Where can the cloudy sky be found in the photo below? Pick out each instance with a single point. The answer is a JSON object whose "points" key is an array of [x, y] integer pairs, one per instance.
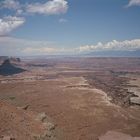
{"points": [[40, 27]]}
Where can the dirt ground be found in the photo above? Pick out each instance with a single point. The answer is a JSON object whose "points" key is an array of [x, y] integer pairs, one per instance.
{"points": [[78, 110]]}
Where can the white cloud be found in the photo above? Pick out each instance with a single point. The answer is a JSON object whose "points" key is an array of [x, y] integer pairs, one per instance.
{"points": [[51, 7], [9, 23], [15, 46], [42, 50], [19, 12], [127, 45], [10, 4], [62, 20], [133, 3]]}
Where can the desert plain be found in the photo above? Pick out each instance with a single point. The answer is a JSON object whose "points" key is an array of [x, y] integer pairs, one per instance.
{"points": [[70, 98]]}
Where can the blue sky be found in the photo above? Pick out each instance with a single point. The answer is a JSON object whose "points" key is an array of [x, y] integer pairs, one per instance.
{"points": [[34, 27]]}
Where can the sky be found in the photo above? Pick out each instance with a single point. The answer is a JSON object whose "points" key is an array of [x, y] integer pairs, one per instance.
{"points": [[42, 27]]}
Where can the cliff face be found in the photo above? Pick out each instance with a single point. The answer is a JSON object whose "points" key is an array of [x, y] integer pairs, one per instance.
{"points": [[9, 69]]}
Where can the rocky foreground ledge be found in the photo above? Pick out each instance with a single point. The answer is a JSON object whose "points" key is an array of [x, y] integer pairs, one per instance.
{"points": [[112, 135], [17, 123]]}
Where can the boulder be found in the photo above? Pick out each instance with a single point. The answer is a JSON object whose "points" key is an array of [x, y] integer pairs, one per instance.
{"points": [[112, 135], [50, 126], [41, 117]]}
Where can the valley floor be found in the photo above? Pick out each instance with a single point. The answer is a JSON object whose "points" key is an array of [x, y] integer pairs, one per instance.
{"points": [[67, 101]]}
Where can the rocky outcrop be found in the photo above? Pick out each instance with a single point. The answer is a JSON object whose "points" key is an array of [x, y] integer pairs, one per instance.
{"points": [[9, 69], [135, 100], [20, 124], [112, 135], [49, 132]]}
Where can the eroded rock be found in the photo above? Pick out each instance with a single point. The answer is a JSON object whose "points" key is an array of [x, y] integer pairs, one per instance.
{"points": [[24, 107], [41, 117], [7, 138], [50, 126], [112, 135], [135, 100]]}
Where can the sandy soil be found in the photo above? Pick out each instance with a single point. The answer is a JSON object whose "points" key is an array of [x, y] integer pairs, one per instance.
{"points": [[78, 110]]}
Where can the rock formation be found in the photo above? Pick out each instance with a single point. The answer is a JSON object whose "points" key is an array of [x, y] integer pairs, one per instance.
{"points": [[9, 69]]}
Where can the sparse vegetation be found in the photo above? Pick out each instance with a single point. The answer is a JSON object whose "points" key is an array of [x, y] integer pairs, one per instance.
{"points": [[12, 98]]}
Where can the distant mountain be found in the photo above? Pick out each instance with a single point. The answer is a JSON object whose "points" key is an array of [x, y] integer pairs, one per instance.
{"points": [[12, 59], [9, 69], [115, 53]]}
